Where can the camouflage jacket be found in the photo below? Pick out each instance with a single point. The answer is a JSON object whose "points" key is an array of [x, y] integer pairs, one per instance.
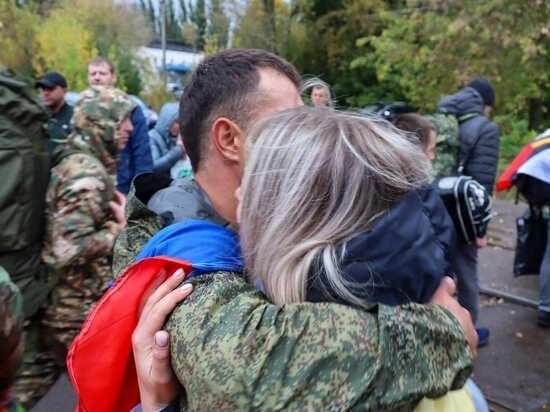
{"points": [[11, 317], [232, 350], [156, 201], [80, 229]]}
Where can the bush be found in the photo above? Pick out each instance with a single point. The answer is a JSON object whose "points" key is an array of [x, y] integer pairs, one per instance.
{"points": [[156, 95], [514, 134]]}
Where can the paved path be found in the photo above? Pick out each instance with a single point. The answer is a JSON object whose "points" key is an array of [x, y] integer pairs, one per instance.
{"points": [[513, 370]]}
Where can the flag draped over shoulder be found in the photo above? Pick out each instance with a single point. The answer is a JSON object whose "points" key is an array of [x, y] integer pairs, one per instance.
{"points": [[100, 361]]}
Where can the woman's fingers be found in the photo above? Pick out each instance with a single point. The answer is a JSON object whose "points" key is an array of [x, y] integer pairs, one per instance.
{"points": [[155, 312], [161, 309], [160, 289]]}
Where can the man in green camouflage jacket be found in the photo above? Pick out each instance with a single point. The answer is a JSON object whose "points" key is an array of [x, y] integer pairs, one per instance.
{"points": [[84, 214], [230, 334], [11, 348]]}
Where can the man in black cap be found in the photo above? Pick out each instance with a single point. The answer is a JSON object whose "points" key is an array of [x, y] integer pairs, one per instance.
{"points": [[53, 88], [479, 146]]}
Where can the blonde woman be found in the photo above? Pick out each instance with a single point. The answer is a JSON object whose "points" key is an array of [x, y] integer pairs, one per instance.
{"points": [[337, 207]]}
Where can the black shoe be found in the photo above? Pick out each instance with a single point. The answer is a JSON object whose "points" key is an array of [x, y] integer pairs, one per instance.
{"points": [[544, 319]]}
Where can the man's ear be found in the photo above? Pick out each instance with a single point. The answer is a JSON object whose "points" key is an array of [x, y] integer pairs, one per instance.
{"points": [[227, 139]]}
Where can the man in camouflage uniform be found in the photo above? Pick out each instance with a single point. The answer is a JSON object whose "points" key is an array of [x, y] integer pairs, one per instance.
{"points": [[243, 333], [81, 228], [11, 347], [83, 219]]}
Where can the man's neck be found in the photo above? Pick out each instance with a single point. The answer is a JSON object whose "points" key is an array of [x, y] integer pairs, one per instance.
{"points": [[56, 109], [221, 191]]}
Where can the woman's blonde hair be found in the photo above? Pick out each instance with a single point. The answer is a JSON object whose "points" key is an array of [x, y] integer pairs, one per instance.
{"points": [[314, 179]]}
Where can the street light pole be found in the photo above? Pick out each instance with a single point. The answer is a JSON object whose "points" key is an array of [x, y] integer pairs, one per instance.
{"points": [[163, 38]]}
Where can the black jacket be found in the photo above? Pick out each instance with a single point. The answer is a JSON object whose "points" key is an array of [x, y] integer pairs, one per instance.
{"points": [[479, 136], [401, 259]]}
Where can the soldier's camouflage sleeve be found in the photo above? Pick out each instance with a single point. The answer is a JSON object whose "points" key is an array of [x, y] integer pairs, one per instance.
{"points": [[232, 350], [141, 225], [81, 227]]}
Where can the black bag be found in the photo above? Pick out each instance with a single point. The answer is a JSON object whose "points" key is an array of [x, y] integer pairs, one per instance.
{"points": [[388, 111], [536, 191], [469, 204], [532, 232]]}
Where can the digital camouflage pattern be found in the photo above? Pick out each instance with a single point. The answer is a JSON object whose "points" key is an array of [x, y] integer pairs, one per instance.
{"points": [[447, 144], [232, 350], [141, 225], [80, 235], [11, 324], [11, 316]]}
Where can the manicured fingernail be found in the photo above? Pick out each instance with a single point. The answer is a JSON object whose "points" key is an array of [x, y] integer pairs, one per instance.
{"points": [[186, 287], [178, 273], [161, 339]]}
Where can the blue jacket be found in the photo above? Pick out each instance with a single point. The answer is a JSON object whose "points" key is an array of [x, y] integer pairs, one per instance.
{"points": [[479, 137], [164, 150], [401, 259], [135, 158]]}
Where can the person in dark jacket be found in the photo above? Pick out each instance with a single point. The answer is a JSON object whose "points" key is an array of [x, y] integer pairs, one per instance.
{"points": [[136, 157], [166, 145], [479, 147], [53, 87]]}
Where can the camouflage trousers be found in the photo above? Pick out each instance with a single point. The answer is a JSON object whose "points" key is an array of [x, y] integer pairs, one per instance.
{"points": [[48, 336], [39, 369]]}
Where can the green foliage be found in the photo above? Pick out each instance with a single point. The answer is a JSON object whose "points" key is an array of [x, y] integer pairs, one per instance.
{"points": [[64, 44], [432, 50], [264, 25], [156, 95], [17, 31], [515, 134], [75, 31]]}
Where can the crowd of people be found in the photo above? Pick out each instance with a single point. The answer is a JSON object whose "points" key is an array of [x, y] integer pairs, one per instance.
{"points": [[317, 259]]}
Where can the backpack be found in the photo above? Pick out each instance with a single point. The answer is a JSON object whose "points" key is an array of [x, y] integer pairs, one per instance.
{"points": [[449, 160], [388, 111], [24, 167], [469, 204]]}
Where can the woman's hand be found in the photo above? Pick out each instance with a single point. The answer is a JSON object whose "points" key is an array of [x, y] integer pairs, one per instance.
{"points": [[158, 385], [443, 297]]}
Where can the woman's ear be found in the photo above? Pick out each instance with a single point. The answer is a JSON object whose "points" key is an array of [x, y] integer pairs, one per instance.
{"points": [[228, 139]]}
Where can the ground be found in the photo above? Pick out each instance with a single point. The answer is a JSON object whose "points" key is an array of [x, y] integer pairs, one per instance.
{"points": [[513, 370]]}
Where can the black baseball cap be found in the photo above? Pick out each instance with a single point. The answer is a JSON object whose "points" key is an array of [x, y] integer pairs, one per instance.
{"points": [[51, 80]]}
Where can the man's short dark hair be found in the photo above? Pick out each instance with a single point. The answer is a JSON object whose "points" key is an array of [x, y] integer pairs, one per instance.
{"points": [[100, 61], [223, 85]]}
